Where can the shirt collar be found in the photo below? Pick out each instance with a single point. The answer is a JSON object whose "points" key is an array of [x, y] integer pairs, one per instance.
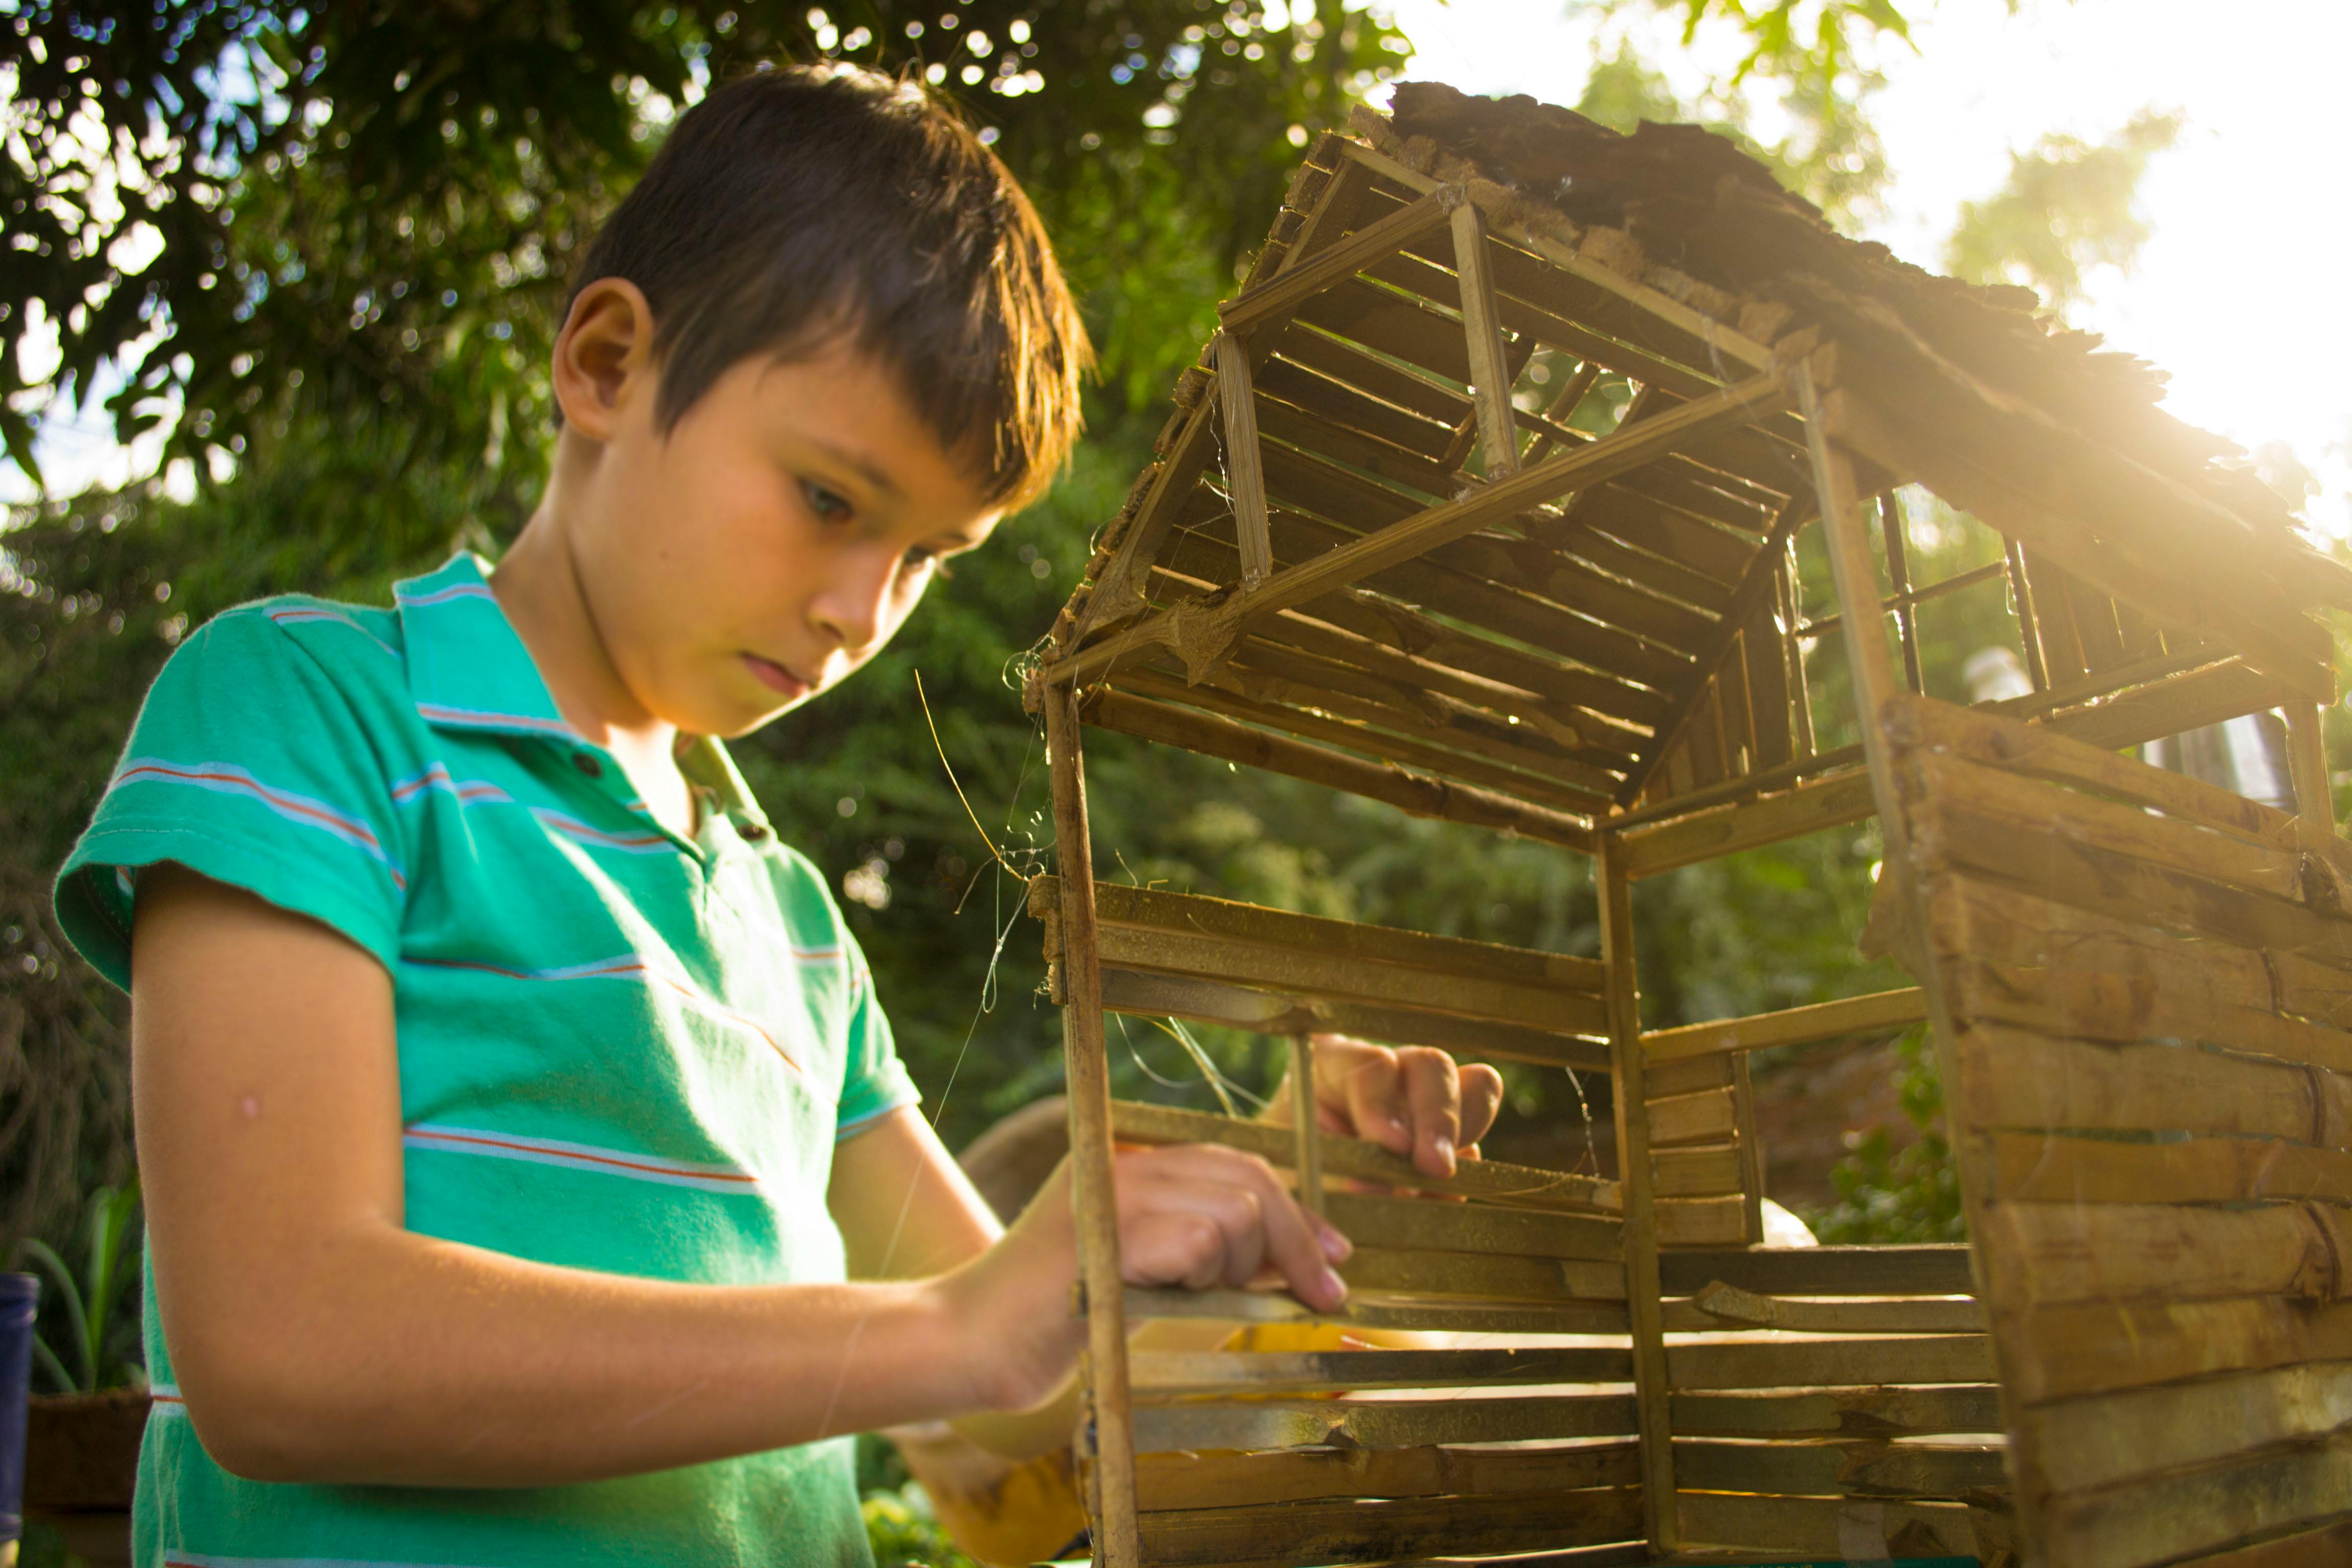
{"points": [[468, 668]]}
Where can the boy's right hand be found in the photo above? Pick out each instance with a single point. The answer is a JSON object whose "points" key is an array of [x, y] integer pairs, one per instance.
{"points": [[1195, 1216]]}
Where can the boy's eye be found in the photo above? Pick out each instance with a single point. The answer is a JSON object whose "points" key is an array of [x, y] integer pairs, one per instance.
{"points": [[828, 505]]}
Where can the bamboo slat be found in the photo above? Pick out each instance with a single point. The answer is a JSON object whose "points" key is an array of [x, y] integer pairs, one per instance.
{"points": [[1695, 1171], [1851, 1531], [1268, 1013], [1490, 379], [2061, 1349], [1380, 1422], [1707, 1221], [2162, 1520], [1838, 1469], [1542, 977], [2017, 1079], [1830, 1363], [1832, 802], [1794, 1026], [1388, 1530], [1245, 468], [1917, 1270], [1087, 1069], [1722, 1307], [1157, 1376], [1489, 1179], [1838, 1413], [1644, 1307], [2041, 1167], [1251, 312], [1503, 1279], [1444, 1316], [1187, 1480], [1414, 793], [1687, 1075], [2082, 1445], [1371, 1219], [2329, 1543], [2155, 1252], [1704, 1118]]}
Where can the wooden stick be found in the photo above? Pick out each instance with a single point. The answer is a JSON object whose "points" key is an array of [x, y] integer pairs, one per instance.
{"points": [[1088, 1070], [2306, 759], [1162, 1375], [1751, 1151], [1199, 1481], [1414, 793], [1898, 578], [1873, 686], [1277, 298], [1902, 602], [1379, 1423], [1879, 1011], [1309, 1135], [1641, 1289], [1490, 383], [1244, 467], [2029, 625]]}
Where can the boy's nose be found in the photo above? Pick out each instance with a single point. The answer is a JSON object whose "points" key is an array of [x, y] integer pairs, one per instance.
{"points": [[856, 605]]}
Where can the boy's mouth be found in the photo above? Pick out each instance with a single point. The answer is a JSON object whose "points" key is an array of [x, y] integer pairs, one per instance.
{"points": [[777, 678]]}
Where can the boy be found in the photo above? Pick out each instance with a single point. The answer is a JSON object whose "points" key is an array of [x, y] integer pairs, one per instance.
{"points": [[530, 1177]]}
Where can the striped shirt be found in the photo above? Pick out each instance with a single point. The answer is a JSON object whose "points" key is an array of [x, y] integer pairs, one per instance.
{"points": [[620, 1048]]}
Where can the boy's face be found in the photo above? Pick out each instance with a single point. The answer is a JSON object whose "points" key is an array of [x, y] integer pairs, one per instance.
{"points": [[771, 542]]}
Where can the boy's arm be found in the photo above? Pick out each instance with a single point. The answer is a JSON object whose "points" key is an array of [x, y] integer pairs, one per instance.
{"points": [[316, 1340]]}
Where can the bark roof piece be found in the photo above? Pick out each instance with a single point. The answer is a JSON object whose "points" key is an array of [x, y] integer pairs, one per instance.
{"points": [[1695, 203]]}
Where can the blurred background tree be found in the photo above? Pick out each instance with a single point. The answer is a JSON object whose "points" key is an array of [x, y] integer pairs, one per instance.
{"points": [[308, 257]]}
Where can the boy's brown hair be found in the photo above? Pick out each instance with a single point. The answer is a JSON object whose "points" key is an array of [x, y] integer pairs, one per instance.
{"points": [[798, 202]]}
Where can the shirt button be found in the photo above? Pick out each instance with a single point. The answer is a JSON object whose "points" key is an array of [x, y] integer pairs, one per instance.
{"points": [[753, 831], [588, 764]]}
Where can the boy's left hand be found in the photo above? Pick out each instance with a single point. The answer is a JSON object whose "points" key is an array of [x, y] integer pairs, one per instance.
{"points": [[1412, 1100]]}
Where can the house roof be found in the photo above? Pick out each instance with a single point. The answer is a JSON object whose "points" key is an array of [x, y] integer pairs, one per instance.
{"points": [[1568, 653]]}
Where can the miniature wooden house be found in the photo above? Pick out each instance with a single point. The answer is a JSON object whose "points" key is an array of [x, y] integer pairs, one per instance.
{"points": [[1390, 546]]}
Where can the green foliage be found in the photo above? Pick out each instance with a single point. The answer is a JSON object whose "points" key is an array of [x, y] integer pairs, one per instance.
{"points": [[905, 1533], [2067, 206], [1885, 1195], [102, 1338]]}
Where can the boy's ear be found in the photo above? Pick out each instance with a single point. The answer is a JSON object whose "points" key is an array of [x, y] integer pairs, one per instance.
{"points": [[604, 356]]}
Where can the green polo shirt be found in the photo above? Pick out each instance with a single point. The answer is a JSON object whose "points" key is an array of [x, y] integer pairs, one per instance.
{"points": [[620, 1049]]}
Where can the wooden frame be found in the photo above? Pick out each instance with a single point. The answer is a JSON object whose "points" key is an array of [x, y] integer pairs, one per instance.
{"points": [[2139, 985]]}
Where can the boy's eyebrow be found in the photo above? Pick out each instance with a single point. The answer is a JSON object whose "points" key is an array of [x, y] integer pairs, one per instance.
{"points": [[864, 467]]}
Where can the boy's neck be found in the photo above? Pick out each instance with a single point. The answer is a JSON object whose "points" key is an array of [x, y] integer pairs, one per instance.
{"points": [[539, 588]]}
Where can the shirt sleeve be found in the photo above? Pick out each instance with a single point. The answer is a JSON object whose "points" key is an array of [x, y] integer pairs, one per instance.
{"points": [[249, 764], [874, 1082]]}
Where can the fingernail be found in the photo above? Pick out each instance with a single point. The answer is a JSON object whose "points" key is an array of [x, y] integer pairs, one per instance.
{"points": [[1444, 1148], [1336, 1247], [1335, 1290]]}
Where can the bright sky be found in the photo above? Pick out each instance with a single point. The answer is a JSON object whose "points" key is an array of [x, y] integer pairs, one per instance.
{"points": [[2242, 293]]}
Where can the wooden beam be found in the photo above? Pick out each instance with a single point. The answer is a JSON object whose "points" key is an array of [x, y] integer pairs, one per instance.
{"points": [[1490, 378], [1248, 314], [1388, 1529], [1838, 1413], [1306, 1137], [1643, 1306], [2306, 758], [1245, 467], [1087, 1067], [1380, 1422], [1202, 634], [1416, 795], [1831, 1363], [1721, 1306], [1791, 1026], [1504, 1475], [1899, 580]]}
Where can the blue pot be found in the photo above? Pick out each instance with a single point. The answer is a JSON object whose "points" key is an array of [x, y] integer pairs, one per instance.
{"points": [[19, 1294]]}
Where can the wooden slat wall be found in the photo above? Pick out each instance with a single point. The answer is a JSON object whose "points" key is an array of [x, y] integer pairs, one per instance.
{"points": [[2151, 982]]}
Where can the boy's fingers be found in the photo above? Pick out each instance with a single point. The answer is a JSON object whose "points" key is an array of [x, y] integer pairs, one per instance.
{"points": [[1374, 1096], [1293, 1243], [1482, 1098], [1432, 1087], [1171, 1247]]}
